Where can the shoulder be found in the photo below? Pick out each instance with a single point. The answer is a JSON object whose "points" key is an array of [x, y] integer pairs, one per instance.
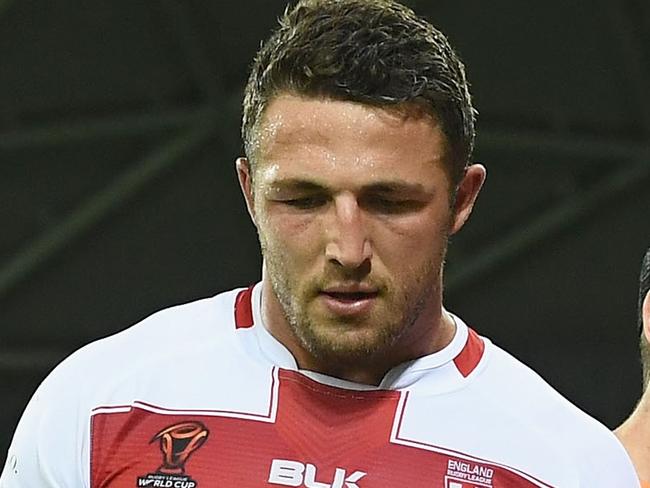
{"points": [[192, 321], [585, 442], [177, 328], [177, 334], [53, 430]]}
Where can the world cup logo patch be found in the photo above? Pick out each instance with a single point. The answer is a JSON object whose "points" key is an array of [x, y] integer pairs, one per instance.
{"points": [[177, 443]]}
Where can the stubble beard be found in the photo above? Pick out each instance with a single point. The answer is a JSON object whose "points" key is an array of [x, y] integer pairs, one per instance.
{"points": [[348, 341]]}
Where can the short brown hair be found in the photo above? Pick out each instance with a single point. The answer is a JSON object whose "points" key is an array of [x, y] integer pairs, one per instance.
{"points": [[376, 52]]}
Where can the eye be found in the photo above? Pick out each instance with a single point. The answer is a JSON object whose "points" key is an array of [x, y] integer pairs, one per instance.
{"points": [[390, 205], [306, 202]]}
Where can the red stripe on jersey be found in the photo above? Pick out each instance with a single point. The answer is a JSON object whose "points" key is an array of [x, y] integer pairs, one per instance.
{"points": [[244, 308], [471, 354]]}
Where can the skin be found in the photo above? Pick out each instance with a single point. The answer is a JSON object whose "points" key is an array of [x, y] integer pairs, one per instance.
{"points": [[635, 431], [353, 209]]}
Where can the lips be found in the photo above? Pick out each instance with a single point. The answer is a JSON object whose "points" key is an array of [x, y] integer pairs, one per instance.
{"points": [[348, 301], [350, 296]]}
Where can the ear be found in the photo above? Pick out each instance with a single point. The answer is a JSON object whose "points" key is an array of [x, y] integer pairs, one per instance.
{"points": [[466, 194], [244, 174], [645, 315]]}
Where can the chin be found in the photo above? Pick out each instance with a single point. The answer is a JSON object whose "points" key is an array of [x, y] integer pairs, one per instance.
{"points": [[348, 343]]}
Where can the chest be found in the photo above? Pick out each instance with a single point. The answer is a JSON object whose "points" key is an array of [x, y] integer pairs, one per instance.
{"points": [[292, 431]]}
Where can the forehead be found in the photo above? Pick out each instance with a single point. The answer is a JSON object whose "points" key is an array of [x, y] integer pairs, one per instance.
{"points": [[320, 134]]}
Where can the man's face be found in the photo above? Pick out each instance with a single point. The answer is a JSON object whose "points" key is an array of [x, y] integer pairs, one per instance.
{"points": [[353, 208]]}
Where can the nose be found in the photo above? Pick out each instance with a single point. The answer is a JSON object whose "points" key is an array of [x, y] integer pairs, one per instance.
{"points": [[348, 243]]}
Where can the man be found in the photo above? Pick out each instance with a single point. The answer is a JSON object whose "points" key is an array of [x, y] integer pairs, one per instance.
{"points": [[634, 433], [341, 369]]}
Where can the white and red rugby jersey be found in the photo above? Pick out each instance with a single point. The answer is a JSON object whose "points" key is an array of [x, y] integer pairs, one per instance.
{"points": [[201, 395]]}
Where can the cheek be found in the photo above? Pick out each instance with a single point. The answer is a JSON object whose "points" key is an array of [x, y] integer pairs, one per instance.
{"points": [[414, 241], [295, 237]]}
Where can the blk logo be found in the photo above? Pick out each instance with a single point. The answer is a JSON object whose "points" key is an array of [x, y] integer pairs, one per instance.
{"points": [[294, 473]]}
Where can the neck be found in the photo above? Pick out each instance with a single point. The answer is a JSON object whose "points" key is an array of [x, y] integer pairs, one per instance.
{"points": [[634, 434], [433, 330], [372, 369]]}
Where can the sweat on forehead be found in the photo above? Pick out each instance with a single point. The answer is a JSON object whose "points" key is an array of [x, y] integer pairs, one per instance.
{"points": [[302, 118]]}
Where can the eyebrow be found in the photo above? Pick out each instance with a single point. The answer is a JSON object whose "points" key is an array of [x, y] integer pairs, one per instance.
{"points": [[297, 184], [395, 187], [385, 186]]}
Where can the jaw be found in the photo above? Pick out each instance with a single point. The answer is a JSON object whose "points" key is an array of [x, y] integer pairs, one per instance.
{"points": [[359, 347]]}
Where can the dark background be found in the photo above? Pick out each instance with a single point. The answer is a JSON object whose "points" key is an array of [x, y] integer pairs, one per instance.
{"points": [[119, 128]]}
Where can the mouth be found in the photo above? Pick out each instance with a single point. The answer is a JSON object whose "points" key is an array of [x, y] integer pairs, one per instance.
{"points": [[349, 302], [351, 296]]}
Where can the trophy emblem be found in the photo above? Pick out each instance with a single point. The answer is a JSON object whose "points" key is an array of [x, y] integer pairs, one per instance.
{"points": [[177, 443]]}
